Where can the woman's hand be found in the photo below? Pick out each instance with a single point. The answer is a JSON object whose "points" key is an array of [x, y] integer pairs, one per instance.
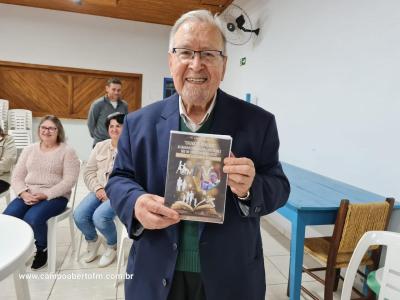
{"points": [[40, 196], [28, 198], [101, 195]]}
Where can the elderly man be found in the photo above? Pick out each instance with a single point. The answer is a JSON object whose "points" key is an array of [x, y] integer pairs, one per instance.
{"points": [[173, 259]]}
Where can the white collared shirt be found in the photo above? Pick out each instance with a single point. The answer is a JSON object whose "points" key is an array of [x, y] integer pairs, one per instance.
{"points": [[189, 122]]}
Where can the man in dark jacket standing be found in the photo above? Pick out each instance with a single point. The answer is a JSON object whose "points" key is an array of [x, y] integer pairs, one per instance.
{"points": [[182, 260]]}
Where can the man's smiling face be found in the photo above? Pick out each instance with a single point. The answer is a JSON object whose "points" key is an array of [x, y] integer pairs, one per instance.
{"points": [[197, 81]]}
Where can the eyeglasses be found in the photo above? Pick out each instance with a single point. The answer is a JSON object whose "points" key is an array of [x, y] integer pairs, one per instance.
{"points": [[50, 129], [206, 56]]}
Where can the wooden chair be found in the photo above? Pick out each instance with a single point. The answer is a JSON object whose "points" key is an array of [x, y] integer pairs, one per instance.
{"points": [[352, 221]]}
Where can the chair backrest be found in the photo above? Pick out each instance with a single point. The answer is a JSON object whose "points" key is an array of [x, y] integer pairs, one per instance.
{"points": [[390, 286], [3, 124], [361, 218], [4, 114], [19, 119], [73, 191], [22, 138], [353, 220]]}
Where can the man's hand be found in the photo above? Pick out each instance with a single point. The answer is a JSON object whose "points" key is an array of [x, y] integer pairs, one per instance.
{"points": [[28, 198], [241, 174], [101, 195], [152, 214]]}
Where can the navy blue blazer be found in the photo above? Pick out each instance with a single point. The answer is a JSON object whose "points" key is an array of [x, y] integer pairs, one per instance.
{"points": [[231, 255]]}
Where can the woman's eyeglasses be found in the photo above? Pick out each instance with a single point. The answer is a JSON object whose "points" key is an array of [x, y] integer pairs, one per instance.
{"points": [[49, 129]]}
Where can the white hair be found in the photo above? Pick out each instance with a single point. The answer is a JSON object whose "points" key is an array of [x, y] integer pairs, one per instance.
{"points": [[203, 16]]}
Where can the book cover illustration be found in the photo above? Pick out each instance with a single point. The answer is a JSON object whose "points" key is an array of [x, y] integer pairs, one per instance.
{"points": [[195, 185]]}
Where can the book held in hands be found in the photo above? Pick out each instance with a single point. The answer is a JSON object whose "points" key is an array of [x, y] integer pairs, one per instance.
{"points": [[196, 185]]}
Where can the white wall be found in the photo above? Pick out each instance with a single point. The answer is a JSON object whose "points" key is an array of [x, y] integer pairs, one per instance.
{"points": [[329, 71], [40, 36]]}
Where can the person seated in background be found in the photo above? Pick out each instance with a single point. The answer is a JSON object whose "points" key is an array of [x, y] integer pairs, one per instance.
{"points": [[8, 157], [95, 212], [43, 178]]}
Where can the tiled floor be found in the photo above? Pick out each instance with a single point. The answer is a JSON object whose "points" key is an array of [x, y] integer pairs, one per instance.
{"points": [[276, 254]]}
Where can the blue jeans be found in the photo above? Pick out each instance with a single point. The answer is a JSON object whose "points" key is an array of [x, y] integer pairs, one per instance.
{"points": [[37, 215], [90, 214]]}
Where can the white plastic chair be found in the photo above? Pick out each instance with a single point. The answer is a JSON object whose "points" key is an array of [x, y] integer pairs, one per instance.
{"points": [[52, 230], [4, 114], [390, 286], [78, 250], [9, 194], [19, 119], [6, 196], [124, 237], [22, 138]]}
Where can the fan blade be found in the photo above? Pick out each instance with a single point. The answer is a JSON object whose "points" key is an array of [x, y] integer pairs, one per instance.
{"points": [[245, 29], [240, 21], [256, 31]]}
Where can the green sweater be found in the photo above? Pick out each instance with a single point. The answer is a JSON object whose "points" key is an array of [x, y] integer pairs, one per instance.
{"points": [[189, 257]]}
